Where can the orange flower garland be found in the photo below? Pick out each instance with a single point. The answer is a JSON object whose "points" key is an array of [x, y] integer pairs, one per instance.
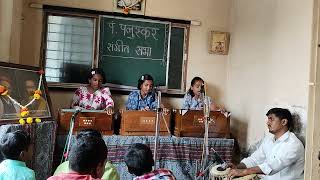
{"points": [[3, 90], [24, 112]]}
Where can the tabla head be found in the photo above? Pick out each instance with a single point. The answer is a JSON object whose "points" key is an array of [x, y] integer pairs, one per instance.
{"points": [[218, 172]]}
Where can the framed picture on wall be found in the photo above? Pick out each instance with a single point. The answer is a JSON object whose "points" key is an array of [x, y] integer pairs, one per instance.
{"points": [[129, 6], [19, 84], [219, 42]]}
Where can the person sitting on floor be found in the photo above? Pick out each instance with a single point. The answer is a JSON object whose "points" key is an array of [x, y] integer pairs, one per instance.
{"points": [[14, 146], [87, 158], [110, 172], [139, 161], [280, 155]]}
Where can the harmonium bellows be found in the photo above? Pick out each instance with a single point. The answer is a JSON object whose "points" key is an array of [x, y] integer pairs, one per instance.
{"points": [[190, 123], [142, 123], [86, 119]]}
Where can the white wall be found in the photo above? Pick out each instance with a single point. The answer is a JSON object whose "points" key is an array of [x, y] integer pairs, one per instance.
{"points": [[268, 62], [5, 29]]}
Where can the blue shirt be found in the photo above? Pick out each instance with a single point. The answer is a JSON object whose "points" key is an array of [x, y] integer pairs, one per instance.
{"points": [[191, 103], [136, 102], [17, 170]]}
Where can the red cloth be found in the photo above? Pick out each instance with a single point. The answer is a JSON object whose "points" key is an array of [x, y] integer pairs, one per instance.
{"points": [[72, 176], [157, 174]]}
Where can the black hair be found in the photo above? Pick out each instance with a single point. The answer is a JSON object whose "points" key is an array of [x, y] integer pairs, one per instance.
{"points": [[13, 143], [144, 78], [86, 154], [97, 71], [282, 113], [89, 132], [139, 159], [193, 81]]}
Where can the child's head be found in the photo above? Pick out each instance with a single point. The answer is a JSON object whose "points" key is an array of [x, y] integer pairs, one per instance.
{"points": [[13, 144], [88, 155], [139, 159], [88, 132], [145, 83], [195, 87], [96, 78]]}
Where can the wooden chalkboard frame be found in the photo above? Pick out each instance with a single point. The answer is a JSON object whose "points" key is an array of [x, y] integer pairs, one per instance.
{"points": [[122, 87], [74, 12]]}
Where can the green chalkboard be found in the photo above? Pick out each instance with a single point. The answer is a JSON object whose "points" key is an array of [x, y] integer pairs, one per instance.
{"points": [[132, 47]]}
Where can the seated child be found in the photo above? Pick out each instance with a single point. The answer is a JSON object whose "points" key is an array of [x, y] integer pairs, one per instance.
{"points": [[94, 96], [87, 158], [139, 161], [142, 99], [14, 146], [192, 99], [110, 172]]}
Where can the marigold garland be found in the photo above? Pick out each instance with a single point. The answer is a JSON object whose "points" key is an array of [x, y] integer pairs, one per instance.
{"points": [[24, 112]]}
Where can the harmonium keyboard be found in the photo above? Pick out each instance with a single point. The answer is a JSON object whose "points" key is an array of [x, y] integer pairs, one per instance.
{"points": [[190, 123], [142, 123], [85, 119]]}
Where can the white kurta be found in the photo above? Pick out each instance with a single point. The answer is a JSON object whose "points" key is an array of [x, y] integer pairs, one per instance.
{"points": [[282, 159]]}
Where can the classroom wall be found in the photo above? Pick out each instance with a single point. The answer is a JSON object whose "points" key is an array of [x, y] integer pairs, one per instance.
{"points": [[268, 63], [11, 20], [213, 15], [6, 7]]}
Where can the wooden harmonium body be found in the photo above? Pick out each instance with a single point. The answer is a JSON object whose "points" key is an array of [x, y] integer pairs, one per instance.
{"points": [[143, 123], [85, 119], [190, 123]]}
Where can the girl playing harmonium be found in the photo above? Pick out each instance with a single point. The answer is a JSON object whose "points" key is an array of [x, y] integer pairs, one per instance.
{"points": [[94, 96], [193, 100], [144, 98]]}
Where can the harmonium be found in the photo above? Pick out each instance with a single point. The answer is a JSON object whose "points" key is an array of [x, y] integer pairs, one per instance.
{"points": [[143, 123], [85, 119], [190, 123]]}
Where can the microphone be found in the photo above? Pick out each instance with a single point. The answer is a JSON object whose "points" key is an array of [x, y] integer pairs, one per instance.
{"points": [[202, 89], [154, 90], [78, 110]]}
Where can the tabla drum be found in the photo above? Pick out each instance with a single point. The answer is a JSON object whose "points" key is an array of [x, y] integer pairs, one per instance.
{"points": [[218, 172]]}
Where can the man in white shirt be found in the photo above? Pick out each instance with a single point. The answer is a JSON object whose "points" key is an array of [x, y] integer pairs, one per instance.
{"points": [[281, 154]]}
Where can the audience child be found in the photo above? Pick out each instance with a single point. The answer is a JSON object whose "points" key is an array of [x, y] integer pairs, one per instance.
{"points": [[139, 161], [14, 147], [110, 172], [87, 159]]}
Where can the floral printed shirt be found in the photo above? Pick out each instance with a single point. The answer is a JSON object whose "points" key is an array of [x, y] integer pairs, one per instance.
{"points": [[99, 100]]}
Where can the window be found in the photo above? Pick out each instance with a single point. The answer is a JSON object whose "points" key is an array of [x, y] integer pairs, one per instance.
{"points": [[70, 49]]}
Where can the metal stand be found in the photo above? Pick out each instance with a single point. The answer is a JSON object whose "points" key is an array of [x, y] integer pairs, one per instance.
{"points": [[205, 152], [159, 115], [68, 142]]}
